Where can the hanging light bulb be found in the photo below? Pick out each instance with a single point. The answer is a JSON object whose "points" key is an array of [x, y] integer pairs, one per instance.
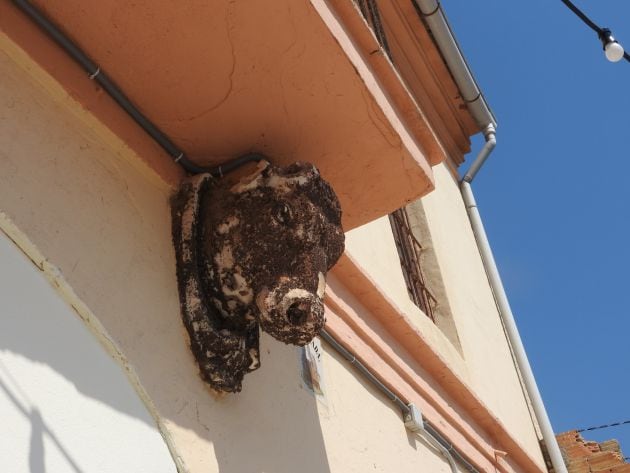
{"points": [[613, 50]]}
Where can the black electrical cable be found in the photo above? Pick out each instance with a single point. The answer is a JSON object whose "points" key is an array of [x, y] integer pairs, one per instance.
{"points": [[223, 169], [361, 367], [399, 402], [601, 32], [582, 16], [605, 426], [95, 73], [467, 465]]}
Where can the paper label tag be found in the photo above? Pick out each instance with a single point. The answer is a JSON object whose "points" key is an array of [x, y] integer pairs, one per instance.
{"points": [[312, 368]]}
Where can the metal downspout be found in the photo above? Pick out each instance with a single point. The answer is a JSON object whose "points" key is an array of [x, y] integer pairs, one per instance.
{"points": [[431, 12], [503, 304]]}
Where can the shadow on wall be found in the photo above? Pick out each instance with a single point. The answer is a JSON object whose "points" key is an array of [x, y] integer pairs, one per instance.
{"points": [[37, 324], [38, 429], [108, 230], [273, 425]]}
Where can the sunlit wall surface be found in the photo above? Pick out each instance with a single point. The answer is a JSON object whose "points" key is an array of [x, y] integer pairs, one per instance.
{"points": [[65, 405]]}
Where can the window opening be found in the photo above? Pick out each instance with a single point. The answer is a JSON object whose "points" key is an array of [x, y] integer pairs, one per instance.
{"points": [[409, 251]]}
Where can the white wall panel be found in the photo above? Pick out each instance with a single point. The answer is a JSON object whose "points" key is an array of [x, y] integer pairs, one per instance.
{"points": [[65, 405]]}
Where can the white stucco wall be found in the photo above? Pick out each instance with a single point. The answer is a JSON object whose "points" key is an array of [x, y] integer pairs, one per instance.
{"points": [[102, 222], [65, 405], [484, 343], [484, 360], [373, 247]]}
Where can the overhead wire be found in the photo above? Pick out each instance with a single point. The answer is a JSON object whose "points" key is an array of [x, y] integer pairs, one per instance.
{"points": [[582, 16], [369, 8], [590, 23], [605, 426]]}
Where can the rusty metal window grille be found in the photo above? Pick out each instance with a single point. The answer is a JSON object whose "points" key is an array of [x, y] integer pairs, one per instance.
{"points": [[409, 250], [369, 10]]}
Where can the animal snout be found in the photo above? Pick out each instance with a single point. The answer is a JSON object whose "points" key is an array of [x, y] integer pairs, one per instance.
{"points": [[298, 312], [301, 309], [291, 314]]}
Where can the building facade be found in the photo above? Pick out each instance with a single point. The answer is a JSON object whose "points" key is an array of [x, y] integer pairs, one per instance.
{"points": [[96, 373]]}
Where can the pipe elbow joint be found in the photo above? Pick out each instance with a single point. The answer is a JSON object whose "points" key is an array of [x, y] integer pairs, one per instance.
{"points": [[490, 134]]}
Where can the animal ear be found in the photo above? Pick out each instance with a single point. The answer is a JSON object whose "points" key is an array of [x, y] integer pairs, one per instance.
{"points": [[324, 198], [334, 245], [253, 180], [306, 171], [298, 167]]}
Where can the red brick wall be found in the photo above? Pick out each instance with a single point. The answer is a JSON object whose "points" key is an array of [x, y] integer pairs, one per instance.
{"points": [[583, 456]]}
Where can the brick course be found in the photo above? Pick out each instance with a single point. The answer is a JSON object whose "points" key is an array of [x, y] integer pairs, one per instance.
{"points": [[584, 456]]}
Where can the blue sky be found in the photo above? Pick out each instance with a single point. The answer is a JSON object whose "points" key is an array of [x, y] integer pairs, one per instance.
{"points": [[555, 195]]}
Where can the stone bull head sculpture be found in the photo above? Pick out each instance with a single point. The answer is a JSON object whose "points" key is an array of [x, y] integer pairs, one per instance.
{"points": [[253, 254]]}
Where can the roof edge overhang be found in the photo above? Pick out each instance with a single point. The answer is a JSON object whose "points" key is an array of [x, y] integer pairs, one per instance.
{"points": [[393, 149], [426, 75], [389, 79]]}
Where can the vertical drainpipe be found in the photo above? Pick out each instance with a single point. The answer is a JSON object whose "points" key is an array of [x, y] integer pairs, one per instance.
{"points": [[503, 304], [434, 17]]}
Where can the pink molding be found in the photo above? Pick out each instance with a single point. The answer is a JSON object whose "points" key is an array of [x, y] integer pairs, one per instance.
{"points": [[386, 341]]}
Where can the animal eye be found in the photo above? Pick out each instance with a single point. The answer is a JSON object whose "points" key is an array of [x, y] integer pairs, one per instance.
{"points": [[282, 213]]}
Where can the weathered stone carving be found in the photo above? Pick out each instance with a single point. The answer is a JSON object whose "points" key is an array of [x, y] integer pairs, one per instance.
{"points": [[253, 254]]}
